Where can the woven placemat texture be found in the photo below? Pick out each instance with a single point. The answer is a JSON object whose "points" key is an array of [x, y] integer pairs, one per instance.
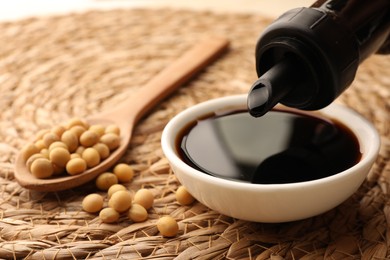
{"points": [[56, 68]]}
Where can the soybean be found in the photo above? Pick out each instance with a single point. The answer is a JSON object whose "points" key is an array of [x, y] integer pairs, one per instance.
{"points": [[124, 172], [92, 203], [105, 180], [59, 156], [144, 197], [80, 150], [91, 157], [108, 215], [41, 133], [58, 144], [45, 152], [183, 197], [89, 138], [77, 130], [102, 149], [120, 201], [98, 129], [112, 129], [50, 138], [111, 140], [77, 121], [32, 158], [114, 188], [167, 226], [75, 155], [29, 150], [40, 144], [71, 140], [137, 213], [42, 168], [58, 130], [76, 166]]}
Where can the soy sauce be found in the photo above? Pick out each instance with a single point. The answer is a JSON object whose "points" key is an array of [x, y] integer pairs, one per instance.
{"points": [[280, 147]]}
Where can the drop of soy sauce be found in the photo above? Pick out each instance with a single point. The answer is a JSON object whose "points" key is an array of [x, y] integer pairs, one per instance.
{"points": [[280, 147]]}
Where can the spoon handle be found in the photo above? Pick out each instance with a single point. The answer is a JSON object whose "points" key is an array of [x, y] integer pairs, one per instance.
{"points": [[170, 78]]}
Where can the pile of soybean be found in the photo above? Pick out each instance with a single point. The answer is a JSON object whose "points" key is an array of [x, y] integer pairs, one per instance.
{"points": [[77, 146], [121, 201], [71, 148]]}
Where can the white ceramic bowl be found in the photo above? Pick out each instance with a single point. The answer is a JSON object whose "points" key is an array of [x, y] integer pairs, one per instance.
{"points": [[271, 202]]}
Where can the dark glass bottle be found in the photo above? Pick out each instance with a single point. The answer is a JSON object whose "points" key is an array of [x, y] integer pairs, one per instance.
{"points": [[309, 56]]}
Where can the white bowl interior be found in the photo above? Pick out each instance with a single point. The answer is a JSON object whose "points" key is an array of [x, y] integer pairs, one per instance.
{"points": [[271, 202]]}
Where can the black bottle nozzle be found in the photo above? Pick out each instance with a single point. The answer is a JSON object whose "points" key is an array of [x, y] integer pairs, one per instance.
{"points": [[308, 56], [272, 86]]}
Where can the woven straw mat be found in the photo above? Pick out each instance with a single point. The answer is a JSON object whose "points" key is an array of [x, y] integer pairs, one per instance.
{"points": [[56, 68]]}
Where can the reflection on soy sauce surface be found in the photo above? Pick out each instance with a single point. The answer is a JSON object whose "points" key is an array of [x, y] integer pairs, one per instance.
{"points": [[280, 147]]}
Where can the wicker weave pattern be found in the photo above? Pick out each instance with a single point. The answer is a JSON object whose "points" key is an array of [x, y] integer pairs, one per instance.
{"points": [[55, 68]]}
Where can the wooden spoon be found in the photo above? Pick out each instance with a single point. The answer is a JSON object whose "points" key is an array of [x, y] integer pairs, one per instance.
{"points": [[128, 113]]}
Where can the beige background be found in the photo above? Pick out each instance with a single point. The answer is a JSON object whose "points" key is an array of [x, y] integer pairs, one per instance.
{"points": [[16, 9]]}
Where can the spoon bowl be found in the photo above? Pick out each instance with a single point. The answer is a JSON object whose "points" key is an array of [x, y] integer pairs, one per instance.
{"points": [[127, 114]]}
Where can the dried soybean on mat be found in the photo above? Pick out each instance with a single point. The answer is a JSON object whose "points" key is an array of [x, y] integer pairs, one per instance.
{"points": [[55, 68]]}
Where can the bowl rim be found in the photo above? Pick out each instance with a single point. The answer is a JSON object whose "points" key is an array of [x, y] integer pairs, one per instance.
{"points": [[175, 125]]}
